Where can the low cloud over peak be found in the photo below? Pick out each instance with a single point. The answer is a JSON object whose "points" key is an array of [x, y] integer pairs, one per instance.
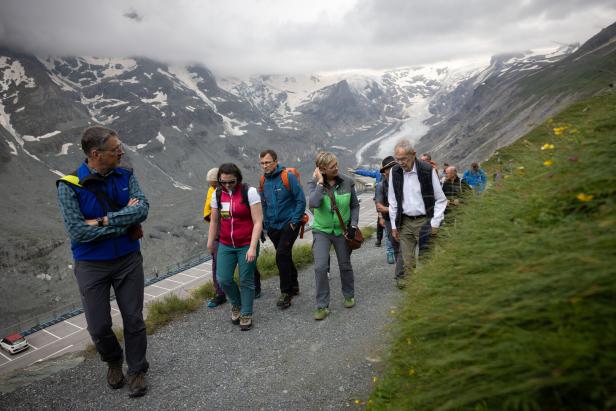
{"points": [[282, 36]]}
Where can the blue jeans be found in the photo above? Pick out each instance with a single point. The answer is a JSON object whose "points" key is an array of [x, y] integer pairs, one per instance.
{"points": [[227, 259]]}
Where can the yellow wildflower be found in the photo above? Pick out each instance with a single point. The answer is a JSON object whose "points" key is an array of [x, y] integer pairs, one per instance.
{"points": [[584, 198], [408, 340], [411, 372], [547, 146], [559, 130], [357, 402], [392, 312], [375, 379], [548, 163]]}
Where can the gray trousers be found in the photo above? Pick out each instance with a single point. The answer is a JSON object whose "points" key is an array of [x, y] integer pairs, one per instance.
{"points": [[399, 271], [409, 238], [125, 275], [320, 249]]}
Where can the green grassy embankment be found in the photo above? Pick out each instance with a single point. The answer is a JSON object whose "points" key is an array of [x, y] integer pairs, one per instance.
{"points": [[516, 307]]}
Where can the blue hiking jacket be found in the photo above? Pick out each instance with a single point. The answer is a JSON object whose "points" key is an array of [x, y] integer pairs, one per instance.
{"points": [[281, 206], [369, 173], [476, 180]]}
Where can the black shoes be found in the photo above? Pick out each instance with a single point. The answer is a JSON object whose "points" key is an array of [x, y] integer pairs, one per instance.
{"points": [[378, 243], [136, 385], [115, 376], [295, 291], [284, 301]]}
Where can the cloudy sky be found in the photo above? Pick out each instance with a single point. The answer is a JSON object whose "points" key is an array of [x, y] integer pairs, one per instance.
{"points": [[238, 37]]}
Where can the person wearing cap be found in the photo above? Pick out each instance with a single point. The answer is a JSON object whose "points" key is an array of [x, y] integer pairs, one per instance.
{"points": [[415, 197], [476, 178], [382, 206]]}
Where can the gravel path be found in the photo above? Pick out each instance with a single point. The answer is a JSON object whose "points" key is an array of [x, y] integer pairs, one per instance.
{"points": [[287, 361]]}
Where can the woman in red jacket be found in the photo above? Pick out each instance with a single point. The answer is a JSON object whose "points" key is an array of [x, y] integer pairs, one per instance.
{"points": [[237, 208]]}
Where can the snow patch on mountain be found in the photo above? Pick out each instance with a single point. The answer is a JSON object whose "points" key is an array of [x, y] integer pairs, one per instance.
{"points": [[39, 138], [13, 74], [64, 149], [191, 81], [159, 100]]}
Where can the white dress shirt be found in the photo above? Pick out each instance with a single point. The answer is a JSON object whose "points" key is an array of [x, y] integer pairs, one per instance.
{"points": [[412, 201]]}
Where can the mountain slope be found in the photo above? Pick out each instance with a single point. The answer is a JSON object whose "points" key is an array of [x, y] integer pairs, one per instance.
{"points": [[506, 103]]}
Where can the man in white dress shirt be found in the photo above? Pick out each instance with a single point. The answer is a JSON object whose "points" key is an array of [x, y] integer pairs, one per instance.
{"points": [[415, 197]]}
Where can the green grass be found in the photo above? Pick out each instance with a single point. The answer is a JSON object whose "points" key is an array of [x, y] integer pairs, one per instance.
{"points": [[516, 307], [302, 256], [368, 231]]}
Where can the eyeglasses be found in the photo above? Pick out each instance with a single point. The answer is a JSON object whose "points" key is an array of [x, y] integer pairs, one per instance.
{"points": [[227, 183], [266, 163], [117, 149], [402, 159]]}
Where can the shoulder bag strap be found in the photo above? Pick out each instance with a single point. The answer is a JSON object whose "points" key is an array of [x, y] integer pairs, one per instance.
{"points": [[330, 193]]}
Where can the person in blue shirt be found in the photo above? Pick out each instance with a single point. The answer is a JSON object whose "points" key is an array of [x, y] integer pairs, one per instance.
{"points": [[476, 178], [102, 207], [284, 204]]}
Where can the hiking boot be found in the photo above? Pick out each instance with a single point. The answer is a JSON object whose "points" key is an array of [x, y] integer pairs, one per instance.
{"points": [[216, 301], [321, 313], [391, 258], [245, 322], [377, 243], [284, 301], [235, 315], [257, 294], [401, 282], [295, 291], [136, 385], [115, 376], [349, 302]]}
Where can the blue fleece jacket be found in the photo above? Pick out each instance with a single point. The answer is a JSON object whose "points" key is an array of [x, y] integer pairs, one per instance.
{"points": [[281, 206]]}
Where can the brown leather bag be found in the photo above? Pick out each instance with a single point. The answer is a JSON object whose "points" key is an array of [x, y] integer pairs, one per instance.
{"points": [[358, 239]]}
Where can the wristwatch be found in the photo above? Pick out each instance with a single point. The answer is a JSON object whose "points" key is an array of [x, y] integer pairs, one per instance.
{"points": [[100, 221]]}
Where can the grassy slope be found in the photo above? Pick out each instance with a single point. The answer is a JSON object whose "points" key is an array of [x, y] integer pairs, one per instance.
{"points": [[517, 307]]}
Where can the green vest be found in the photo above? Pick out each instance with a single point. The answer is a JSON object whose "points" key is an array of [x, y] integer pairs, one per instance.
{"points": [[326, 220]]}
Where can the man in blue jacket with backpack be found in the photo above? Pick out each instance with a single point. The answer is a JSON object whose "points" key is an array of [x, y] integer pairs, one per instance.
{"points": [[284, 205]]}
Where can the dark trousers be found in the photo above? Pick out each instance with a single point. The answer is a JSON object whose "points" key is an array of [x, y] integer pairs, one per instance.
{"points": [[379, 231], [125, 275], [217, 287], [283, 241]]}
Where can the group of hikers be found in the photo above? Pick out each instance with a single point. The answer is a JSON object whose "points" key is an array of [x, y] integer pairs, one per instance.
{"points": [[103, 207]]}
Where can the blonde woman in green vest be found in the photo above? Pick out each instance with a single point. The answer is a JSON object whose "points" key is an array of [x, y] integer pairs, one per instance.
{"points": [[326, 229]]}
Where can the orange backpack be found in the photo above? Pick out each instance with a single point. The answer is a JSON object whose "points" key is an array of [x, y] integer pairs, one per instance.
{"points": [[284, 176]]}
